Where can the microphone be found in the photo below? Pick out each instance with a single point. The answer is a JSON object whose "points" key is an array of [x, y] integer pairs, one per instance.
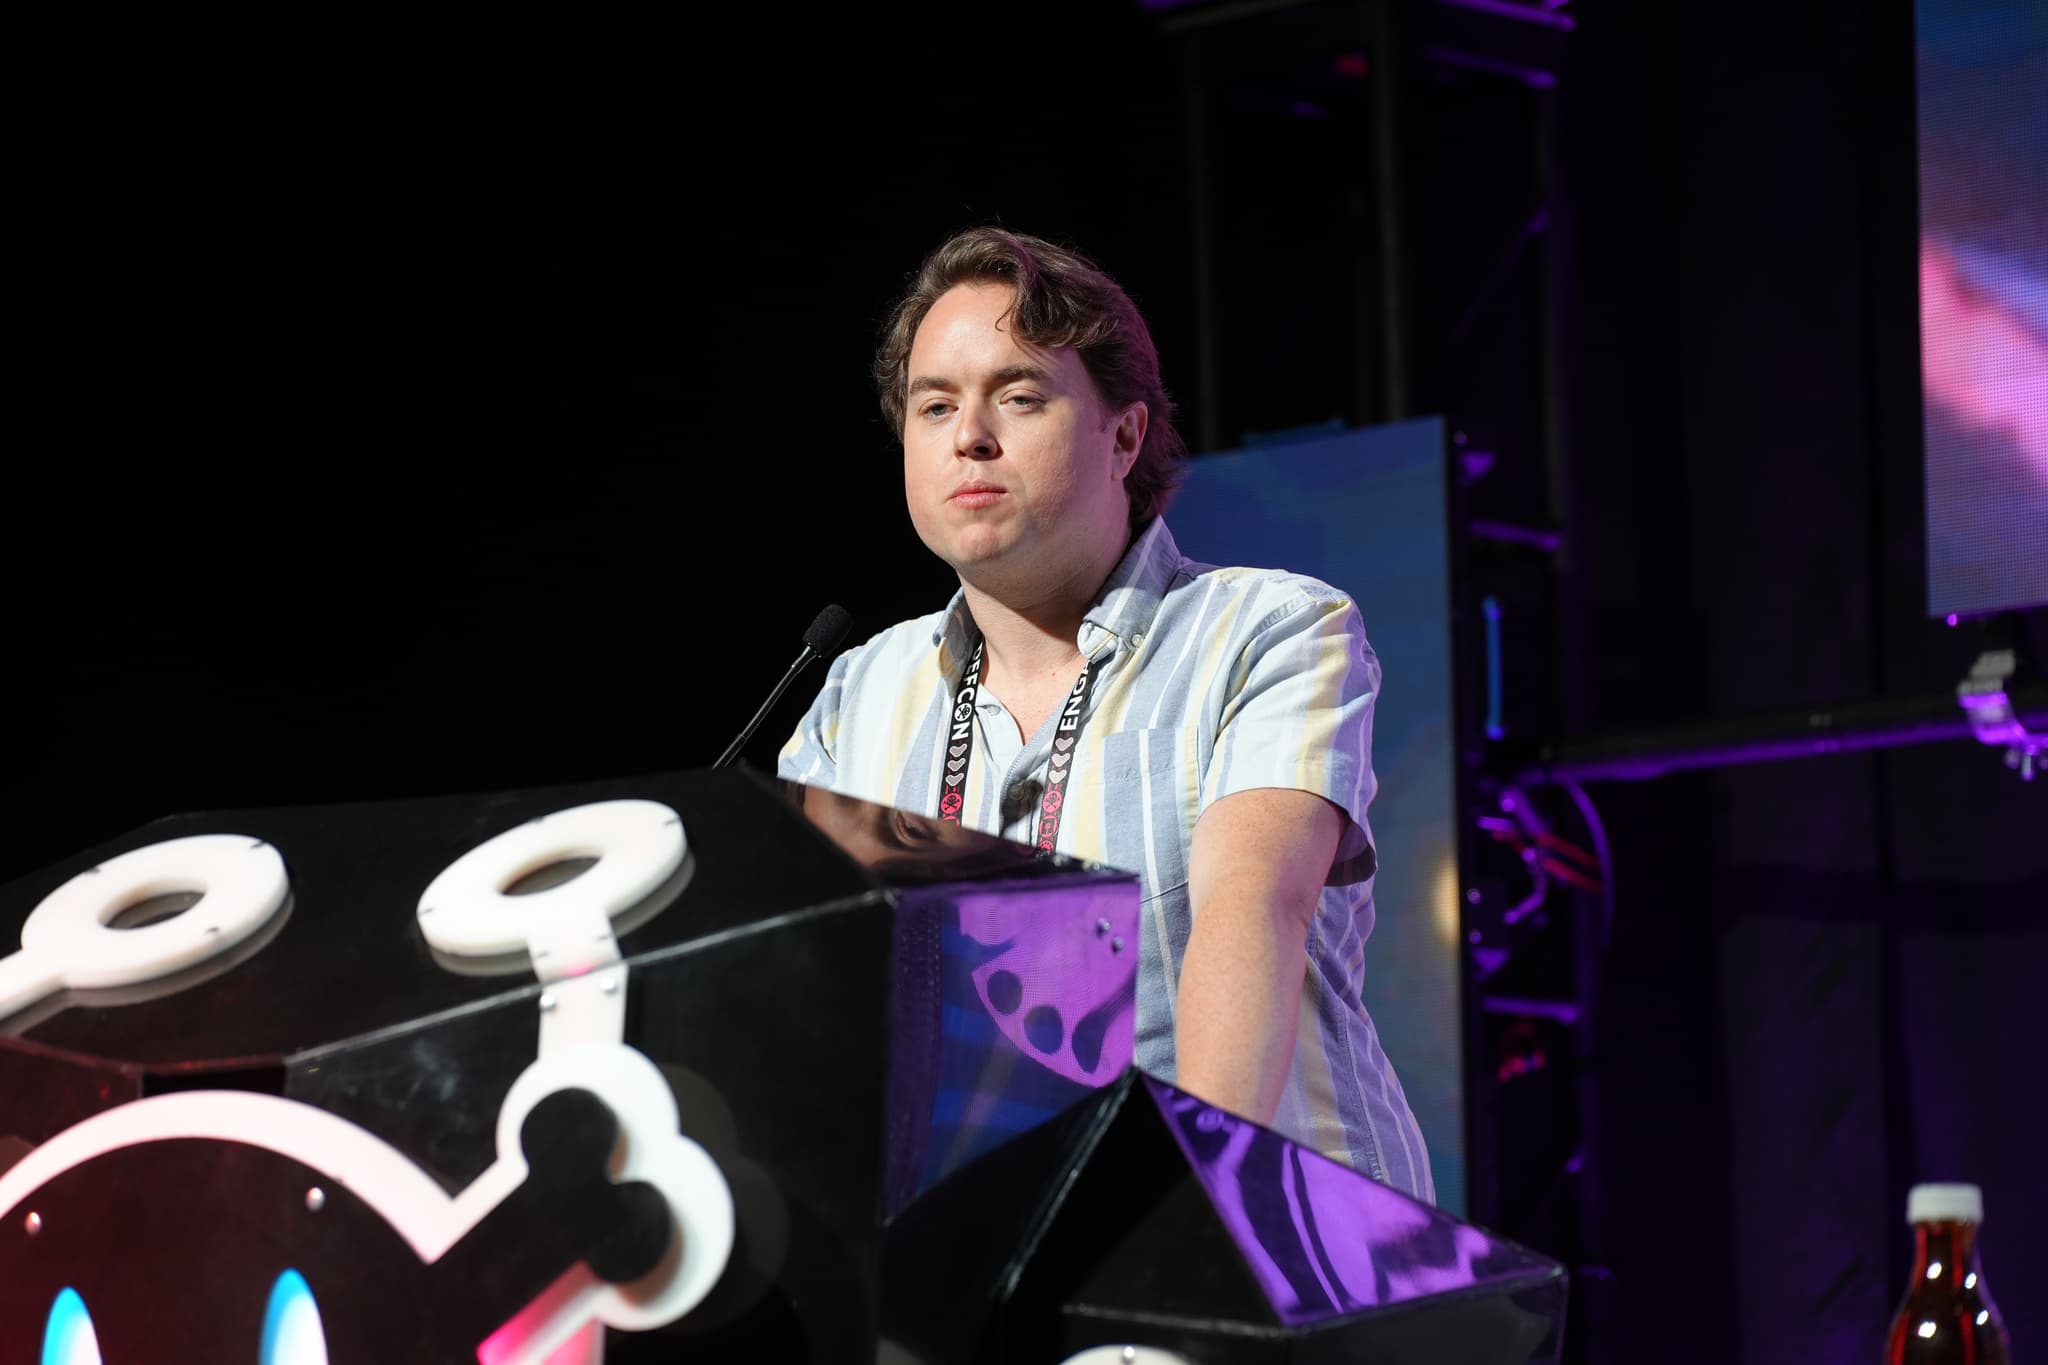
{"points": [[821, 641]]}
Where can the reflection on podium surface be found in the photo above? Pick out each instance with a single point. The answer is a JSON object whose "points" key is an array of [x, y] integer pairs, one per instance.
{"points": [[903, 848]]}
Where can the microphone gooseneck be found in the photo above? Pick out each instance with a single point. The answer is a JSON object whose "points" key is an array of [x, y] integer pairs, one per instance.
{"points": [[821, 641]]}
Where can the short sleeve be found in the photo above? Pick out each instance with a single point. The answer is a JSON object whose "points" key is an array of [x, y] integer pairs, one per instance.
{"points": [[812, 754], [1298, 714]]}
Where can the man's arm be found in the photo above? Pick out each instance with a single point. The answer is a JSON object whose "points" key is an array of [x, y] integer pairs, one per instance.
{"points": [[1285, 794], [1255, 876]]}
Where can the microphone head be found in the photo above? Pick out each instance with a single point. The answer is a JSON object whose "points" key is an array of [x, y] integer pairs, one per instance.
{"points": [[826, 633]]}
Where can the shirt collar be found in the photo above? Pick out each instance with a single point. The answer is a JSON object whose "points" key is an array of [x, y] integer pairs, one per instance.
{"points": [[1124, 609]]}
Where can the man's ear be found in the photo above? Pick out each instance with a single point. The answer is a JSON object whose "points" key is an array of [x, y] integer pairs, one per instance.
{"points": [[1130, 437]]}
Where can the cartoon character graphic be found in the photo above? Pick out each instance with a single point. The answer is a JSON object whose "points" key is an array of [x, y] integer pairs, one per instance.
{"points": [[226, 1225]]}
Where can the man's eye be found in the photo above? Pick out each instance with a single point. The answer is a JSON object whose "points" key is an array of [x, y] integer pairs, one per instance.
{"points": [[935, 409], [1023, 400]]}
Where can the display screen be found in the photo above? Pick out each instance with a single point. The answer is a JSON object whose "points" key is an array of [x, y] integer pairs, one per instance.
{"points": [[1983, 94], [1366, 511]]}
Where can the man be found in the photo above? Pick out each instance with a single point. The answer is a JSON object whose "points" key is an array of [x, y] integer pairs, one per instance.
{"points": [[1091, 690]]}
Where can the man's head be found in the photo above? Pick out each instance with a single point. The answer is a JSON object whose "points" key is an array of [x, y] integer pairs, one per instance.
{"points": [[1018, 363]]}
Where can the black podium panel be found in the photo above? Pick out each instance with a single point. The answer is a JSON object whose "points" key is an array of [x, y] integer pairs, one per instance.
{"points": [[841, 1002]]}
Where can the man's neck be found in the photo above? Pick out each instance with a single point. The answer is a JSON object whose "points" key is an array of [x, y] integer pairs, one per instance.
{"points": [[1032, 628]]}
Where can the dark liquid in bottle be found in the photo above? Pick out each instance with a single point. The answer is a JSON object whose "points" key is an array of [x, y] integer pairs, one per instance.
{"points": [[1948, 1317]]}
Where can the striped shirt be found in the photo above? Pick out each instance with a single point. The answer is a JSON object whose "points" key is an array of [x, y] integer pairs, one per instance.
{"points": [[1212, 681]]}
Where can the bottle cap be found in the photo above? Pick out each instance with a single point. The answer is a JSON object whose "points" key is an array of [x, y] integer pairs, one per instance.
{"points": [[1945, 1204]]}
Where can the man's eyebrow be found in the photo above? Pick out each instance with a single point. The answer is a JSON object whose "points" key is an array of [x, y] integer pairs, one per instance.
{"points": [[1009, 374]]}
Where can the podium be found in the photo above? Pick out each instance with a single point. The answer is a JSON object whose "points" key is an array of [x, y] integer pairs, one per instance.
{"points": [[694, 1066]]}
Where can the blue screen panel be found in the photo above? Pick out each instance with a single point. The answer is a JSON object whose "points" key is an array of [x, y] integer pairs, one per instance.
{"points": [[1367, 512]]}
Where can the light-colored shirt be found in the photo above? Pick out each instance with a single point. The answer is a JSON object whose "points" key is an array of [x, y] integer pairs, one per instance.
{"points": [[1213, 681]]}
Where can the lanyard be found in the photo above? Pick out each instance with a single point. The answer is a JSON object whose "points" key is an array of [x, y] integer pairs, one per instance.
{"points": [[960, 746]]}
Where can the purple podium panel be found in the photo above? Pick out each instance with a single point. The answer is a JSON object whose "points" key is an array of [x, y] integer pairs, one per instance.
{"points": [[1035, 988], [1146, 1218], [1322, 1242]]}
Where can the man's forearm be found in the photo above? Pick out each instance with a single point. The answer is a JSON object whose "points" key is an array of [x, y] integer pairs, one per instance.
{"points": [[1239, 1003]]}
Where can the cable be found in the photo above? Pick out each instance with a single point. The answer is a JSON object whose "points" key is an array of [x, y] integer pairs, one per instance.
{"points": [[1573, 877], [1572, 850], [1601, 850], [1540, 851]]}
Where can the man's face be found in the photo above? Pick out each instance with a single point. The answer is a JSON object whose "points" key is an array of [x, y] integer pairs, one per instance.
{"points": [[1010, 458]]}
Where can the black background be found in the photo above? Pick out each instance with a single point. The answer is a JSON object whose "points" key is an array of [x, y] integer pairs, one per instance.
{"points": [[432, 410]]}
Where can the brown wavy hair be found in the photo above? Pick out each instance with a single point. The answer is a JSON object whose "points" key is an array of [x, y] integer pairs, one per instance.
{"points": [[1063, 299]]}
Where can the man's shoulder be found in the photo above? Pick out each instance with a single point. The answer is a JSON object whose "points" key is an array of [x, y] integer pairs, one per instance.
{"points": [[1276, 593], [904, 643]]}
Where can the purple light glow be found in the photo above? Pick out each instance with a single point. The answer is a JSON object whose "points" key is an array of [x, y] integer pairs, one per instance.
{"points": [[1547, 16]]}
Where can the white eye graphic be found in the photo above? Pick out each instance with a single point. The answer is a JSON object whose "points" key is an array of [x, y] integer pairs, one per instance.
{"points": [[69, 1338], [292, 1334]]}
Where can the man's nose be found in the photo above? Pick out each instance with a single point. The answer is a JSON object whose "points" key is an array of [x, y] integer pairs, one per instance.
{"points": [[974, 437]]}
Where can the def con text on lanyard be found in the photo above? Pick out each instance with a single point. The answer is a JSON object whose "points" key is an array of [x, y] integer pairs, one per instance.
{"points": [[960, 746]]}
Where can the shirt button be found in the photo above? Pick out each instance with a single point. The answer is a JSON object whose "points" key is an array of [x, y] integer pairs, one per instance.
{"points": [[1138, 637]]}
